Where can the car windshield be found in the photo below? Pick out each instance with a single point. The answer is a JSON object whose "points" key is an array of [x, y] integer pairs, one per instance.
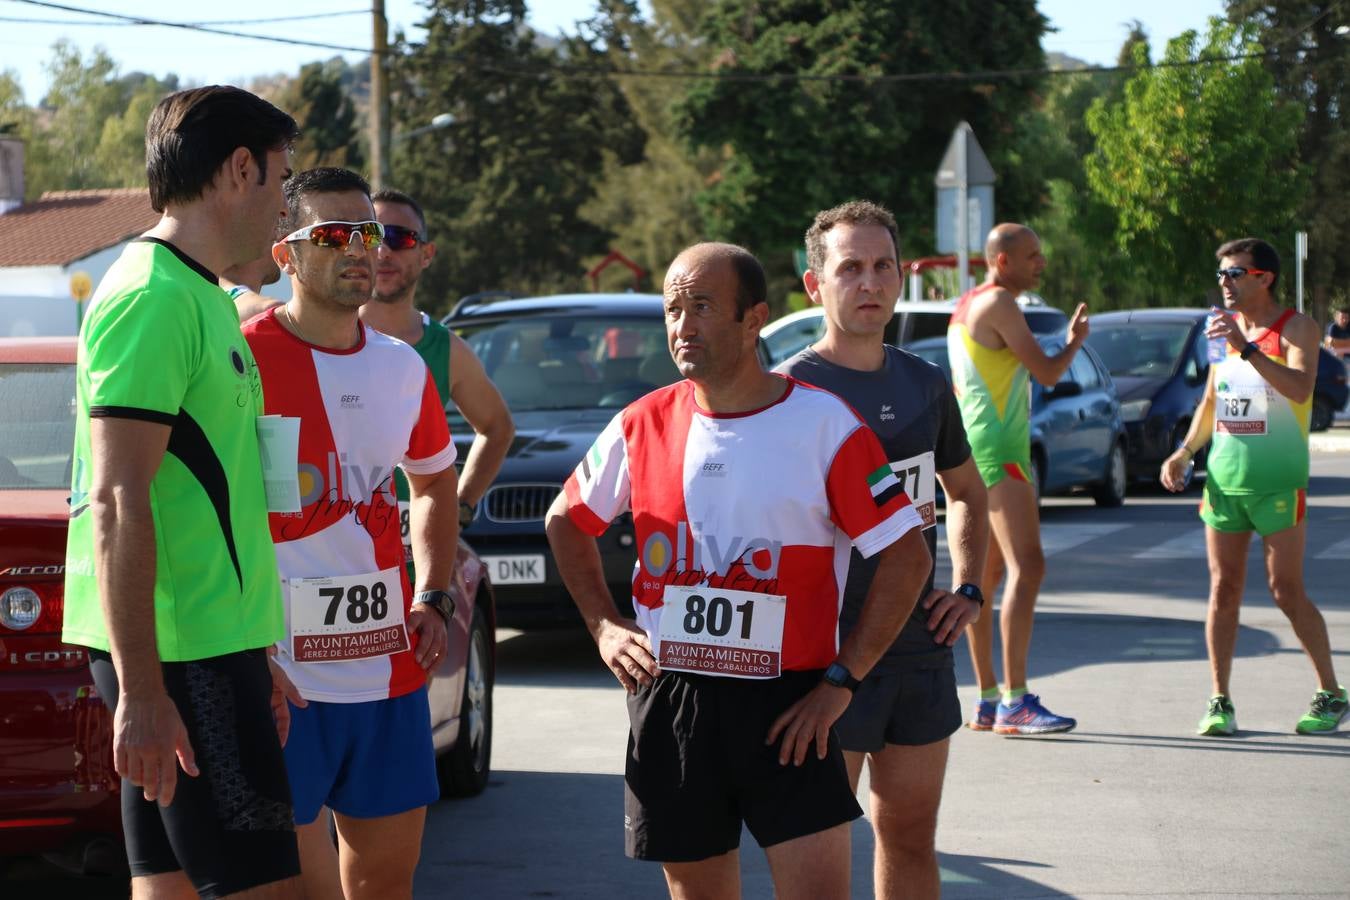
{"points": [[571, 362], [1140, 348], [37, 425]]}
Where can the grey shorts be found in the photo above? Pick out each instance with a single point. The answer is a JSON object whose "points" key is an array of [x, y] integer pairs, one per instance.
{"points": [[905, 705]]}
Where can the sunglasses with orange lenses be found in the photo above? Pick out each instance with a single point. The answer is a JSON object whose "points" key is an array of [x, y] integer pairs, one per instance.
{"points": [[338, 234]]}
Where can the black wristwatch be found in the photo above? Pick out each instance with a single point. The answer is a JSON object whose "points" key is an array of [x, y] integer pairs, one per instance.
{"points": [[1249, 350], [839, 676], [441, 601], [972, 591], [466, 513]]}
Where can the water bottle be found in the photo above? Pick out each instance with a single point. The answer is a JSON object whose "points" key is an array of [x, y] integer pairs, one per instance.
{"points": [[1218, 346]]}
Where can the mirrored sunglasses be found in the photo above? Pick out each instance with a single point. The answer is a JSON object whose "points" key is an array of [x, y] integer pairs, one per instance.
{"points": [[1236, 272], [396, 237], [338, 234]]}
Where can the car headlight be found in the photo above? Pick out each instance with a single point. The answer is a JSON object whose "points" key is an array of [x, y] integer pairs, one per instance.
{"points": [[1135, 410], [20, 607]]}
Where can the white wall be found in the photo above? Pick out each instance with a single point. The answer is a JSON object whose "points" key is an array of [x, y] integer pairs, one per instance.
{"points": [[37, 316], [34, 281]]}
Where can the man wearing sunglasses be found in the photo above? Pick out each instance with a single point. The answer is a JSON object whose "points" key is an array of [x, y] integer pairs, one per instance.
{"points": [[400, 261], [1256, 409], [360, 640]]}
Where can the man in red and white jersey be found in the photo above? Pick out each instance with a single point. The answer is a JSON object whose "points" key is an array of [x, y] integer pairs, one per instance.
{"points": [[358, 643], [747, 490]]}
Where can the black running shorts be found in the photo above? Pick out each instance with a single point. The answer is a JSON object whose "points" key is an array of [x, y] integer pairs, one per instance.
{"points": [[698, 767], [230, 828], [913, 706]]}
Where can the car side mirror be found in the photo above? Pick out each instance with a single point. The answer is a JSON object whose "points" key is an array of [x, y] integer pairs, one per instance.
{"points": [[1064, 389]]}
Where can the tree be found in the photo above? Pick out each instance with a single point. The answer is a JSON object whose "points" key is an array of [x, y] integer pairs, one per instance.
{"points": [[1075, 226], [1311, 68], [321, 105], [1195, 153], [89, 131], [650, 205], [503, 186], [790, 146], [120, 154]]}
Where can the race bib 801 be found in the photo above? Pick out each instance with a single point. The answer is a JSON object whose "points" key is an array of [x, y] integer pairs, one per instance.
{"points": [[714, 631]]}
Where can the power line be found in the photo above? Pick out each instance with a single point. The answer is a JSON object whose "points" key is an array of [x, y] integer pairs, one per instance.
{"points": [[330, 15], [142, 20], [563, 70]]}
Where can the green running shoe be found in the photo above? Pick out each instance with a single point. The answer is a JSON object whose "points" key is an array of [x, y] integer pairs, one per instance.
{"points": [[1220, 719], [1326, 712]]}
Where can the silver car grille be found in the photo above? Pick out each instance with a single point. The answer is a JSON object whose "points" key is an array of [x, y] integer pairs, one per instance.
{"points": [[519, 502]]}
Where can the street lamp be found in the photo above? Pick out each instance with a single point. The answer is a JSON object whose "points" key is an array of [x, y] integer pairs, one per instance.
{"points": [[443, 120]]}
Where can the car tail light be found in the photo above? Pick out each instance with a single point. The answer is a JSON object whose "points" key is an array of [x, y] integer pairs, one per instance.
{"points": [[36, 609]]}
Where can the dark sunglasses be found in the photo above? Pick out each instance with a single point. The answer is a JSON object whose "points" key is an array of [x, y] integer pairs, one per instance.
{"points": [[338, 234], [396, 237], [1236, 272]]}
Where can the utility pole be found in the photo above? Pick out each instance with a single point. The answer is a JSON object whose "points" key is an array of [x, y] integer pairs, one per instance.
{"points": [[379, 99]]}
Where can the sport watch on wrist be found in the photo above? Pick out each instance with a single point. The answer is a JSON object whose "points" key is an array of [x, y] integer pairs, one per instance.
{"points": [[466, 513], [839, 676], [1248, 350], [972, 591], [441, 601]]}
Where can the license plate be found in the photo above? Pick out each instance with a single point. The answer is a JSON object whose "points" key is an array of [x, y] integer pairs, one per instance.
{"points": [[528, 569]]}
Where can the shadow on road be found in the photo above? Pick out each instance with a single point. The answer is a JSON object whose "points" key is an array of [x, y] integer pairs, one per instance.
{"points": [[566, 657], [541, 834]]}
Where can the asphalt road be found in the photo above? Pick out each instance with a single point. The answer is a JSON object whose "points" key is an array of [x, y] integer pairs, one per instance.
{"points": [[1131, 804]]}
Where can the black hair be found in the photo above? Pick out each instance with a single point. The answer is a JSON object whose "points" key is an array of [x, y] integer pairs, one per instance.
{"points": [[321, 180], [1263, 255], [190, 134], [389, 195]]}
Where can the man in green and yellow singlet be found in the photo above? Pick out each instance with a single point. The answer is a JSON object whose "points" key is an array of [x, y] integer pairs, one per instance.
{"points": [[993, 354], [1257, 407]]}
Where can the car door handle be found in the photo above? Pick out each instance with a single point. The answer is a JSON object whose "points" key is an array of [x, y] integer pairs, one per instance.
{"points": [[1082, 413]]}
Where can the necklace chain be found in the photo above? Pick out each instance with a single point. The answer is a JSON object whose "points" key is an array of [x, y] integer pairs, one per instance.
{"points": [[295, 326]]}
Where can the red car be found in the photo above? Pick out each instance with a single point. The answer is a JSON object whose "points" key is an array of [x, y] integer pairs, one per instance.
{"points": [[58, 789]]}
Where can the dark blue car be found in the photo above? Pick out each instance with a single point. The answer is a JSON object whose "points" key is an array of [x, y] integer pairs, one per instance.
{"points": [[1157, 358]]}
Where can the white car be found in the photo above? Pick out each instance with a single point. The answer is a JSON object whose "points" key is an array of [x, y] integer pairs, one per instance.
{"points": [[913, 321]]}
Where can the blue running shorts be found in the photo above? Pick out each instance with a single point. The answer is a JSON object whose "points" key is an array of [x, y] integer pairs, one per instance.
{"points": [[364, 760]]}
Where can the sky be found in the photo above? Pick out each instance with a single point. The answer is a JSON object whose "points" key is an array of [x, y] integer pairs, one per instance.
{"points": [[1089, 31]]}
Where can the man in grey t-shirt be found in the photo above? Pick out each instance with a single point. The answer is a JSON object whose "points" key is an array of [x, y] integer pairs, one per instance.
{"points": [[905, 710]]}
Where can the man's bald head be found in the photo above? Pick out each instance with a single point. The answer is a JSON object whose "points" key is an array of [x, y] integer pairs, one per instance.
{"points": [[751, 285], [1005, 238]]}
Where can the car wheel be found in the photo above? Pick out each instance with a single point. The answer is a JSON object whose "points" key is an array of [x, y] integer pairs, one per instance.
{"points": [[1322, 414], [1111, 491], [464, 770]]}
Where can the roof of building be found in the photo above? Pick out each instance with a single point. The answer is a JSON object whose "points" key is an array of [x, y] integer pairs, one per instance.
{"points": [[61, 227]]}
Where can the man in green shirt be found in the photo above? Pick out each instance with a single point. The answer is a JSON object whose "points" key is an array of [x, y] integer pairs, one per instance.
{"points": [[171, 577], [404, 255]]}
